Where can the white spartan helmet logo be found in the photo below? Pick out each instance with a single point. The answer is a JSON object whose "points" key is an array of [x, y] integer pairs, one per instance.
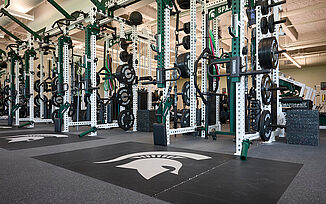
{"points": [[150, 164], [32, 137]]}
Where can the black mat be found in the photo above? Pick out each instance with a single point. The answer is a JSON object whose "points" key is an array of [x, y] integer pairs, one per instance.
{"points": [[47, 141], [218, 179]]}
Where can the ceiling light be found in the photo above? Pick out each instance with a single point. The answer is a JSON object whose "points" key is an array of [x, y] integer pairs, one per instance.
{"points": [[292, 60]]}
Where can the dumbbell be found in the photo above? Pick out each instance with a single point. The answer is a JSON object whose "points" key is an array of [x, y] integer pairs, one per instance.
{"points": [[185, 28], [269, 24], [265, 7], [185, 42]]}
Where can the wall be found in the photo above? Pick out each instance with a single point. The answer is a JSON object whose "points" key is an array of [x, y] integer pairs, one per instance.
{"points": [[310, 76]]}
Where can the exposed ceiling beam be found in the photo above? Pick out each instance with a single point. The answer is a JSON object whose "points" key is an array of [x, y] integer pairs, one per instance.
{"points": [[306, 43], [21, 15], [323, 20], [303, 10], [290, 30]]}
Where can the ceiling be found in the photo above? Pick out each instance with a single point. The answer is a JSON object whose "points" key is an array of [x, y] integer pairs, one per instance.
{"points": [[305, 30]]}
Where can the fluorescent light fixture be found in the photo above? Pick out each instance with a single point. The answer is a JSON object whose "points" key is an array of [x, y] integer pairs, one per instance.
{"points": [[21, 15], [292, 60]]}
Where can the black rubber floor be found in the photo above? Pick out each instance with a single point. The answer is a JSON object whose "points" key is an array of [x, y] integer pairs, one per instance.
{"points": [[180, 175], [22, 139]]}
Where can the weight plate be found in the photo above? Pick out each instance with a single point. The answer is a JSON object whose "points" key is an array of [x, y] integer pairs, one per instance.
{"points": [[6, 89], [266, 84], [186, 28], [271, 24], [265, 129], [38, 74], [185, 118], [22, 101], [126, 119], [46, 86], [88, 100], [123, 43], [98, 79], [23, 113], [54, 83], [186, 93], [57, 100], [182, 63], [124, 56], [264, 25], [125, 74], [71, 111], [186, 42], [136, 18], [55, 114], [37, 100], [184, 4], [264, 7], [6, 101], [37, 86], [124, 96], [267, 53], [37, 111]]}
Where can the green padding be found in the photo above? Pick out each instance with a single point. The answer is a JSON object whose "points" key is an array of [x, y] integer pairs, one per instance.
{"points": [[244, 151], [93, 129], [25, 124], [224, 133]]}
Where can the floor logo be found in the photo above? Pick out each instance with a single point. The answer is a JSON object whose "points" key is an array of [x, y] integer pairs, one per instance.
{"points": [[31, 137], [150, 164]]}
